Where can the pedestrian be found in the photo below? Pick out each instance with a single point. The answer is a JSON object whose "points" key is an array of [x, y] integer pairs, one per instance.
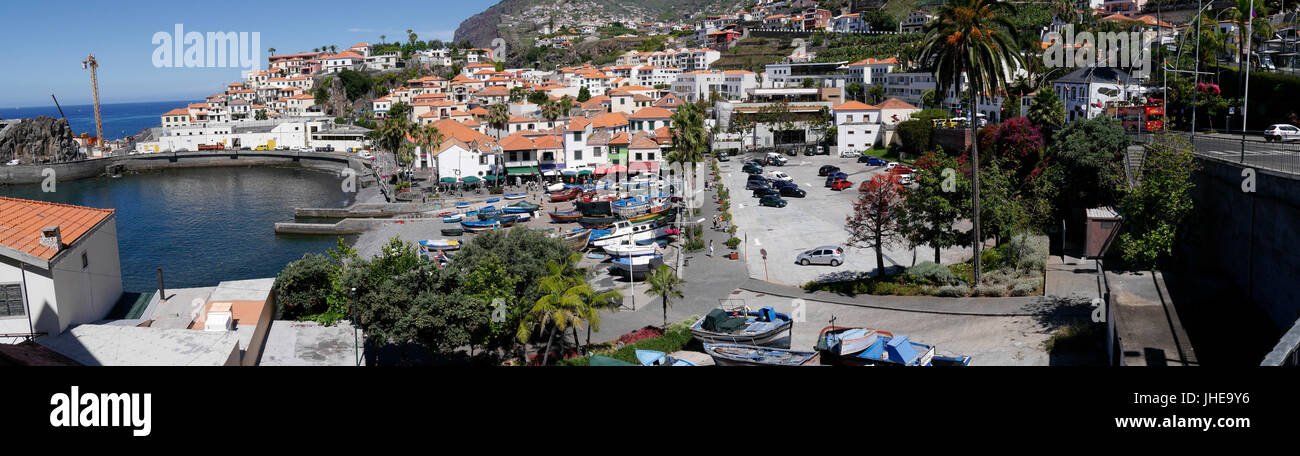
{"points": [[710, 247]]}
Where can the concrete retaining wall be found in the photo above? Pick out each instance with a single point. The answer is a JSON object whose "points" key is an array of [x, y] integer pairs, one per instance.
{"points": [[35, 174]]}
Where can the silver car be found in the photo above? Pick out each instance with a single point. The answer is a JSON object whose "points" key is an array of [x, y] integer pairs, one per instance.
{"points": [[826, 254]]}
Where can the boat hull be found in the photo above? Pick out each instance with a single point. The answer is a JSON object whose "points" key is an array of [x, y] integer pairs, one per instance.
{"points": [[749, 355], [565, 217]]}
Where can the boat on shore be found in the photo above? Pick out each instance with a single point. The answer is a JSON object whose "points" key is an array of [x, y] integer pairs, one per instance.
{"points": [[886, 349], [520, 208], [762, 327], [845, 341], [750, 355], [514, 196], [635, 206], [637, 267], [567, 194], [578, 239], [629, 250], [475, 227], [658, 358], [598, 221], [434, 245], [508, 220], [625, 232], [565, 216], [453, 218], [488, 215]]}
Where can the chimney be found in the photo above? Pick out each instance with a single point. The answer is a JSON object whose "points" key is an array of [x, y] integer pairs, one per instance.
{"points": [[50, 237]]}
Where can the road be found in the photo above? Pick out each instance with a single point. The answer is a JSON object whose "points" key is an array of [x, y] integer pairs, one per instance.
{"points": [[1284, 157]]}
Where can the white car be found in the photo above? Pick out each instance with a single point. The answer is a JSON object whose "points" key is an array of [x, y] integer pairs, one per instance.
{"points": [[890, 166], [779, 175], [1281, 133], [12, 162], [365, 154], [850, 154]]}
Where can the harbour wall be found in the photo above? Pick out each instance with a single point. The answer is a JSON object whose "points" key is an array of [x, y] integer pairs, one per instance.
{"points": [[83, 169]]}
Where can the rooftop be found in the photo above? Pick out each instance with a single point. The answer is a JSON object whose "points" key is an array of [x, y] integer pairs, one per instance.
{"points": [[21, 222], [111, 345]]}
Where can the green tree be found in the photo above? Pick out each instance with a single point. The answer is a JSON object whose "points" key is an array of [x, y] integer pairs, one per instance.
{"points": [[399, 109], [930, 211], [855, 91], [1090, 155], [665, 284], [1047, 111], [498, 117], [929, 98], [583, 95], [877, 94], [565, 296], [690, 140], [972, 40], [1156, 208], [538, 97], [551, 110]]}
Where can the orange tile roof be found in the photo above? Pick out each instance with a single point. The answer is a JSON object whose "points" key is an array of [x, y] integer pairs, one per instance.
{"points": [[453, 129], [652, 113], [613, 119], [178, 112], [548, 142], [642, 141], [479, 111], [579, 123], [854, 106], [894, 103], [620, 138], [21, 222], [517, 141]]}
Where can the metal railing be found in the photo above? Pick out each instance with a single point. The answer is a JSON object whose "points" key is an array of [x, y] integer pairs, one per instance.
{"points": [[1287, 350], [1254, 152]]}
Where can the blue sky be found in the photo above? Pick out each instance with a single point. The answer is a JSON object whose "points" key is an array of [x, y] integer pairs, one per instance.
{"points": [[45, 42]]}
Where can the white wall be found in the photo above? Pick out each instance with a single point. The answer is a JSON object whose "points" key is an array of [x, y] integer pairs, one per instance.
{"points": [[68, 295]]}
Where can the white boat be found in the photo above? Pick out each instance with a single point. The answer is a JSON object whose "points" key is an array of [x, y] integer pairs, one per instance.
{"points": [[625, 232], [555, 188], [629, 250], [637, 267], [440, 244]]}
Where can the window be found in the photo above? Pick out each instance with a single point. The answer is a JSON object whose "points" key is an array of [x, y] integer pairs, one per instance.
{"points": [[85, 261], [11, 300], [577, 154]]}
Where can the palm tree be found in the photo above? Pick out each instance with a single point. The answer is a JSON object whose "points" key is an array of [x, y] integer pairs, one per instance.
{"points": [[315, 49], [498, 117], [271, 51], [392, 134], [551, 111], [382, 38], [1259, 31], [665, 284], [333, 49], [972, 40], [428, 137], [690, 140], [568, 301]]}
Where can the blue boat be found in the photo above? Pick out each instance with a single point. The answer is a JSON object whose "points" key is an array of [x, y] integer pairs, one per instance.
{"points": [[462, 205], [480, 226], [749, 355], [514, 196], [765, 326], [452, 218], [658, 358], [487, 208], [492, 200], [890, 350], [488, 215]]}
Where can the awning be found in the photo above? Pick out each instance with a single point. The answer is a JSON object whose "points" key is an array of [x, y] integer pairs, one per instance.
{"points": [[521, 170], [470, 179], [569, 172], [585, 172], [490, 177], [447, 180]]}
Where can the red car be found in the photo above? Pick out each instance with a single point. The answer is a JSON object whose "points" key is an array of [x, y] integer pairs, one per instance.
{"points": [[841, 184]]}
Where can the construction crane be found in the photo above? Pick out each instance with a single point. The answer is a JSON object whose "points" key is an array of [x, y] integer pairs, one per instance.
{"points": [[93, 66]]}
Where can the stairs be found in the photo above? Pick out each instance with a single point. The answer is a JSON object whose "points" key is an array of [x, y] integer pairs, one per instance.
{"points": [[1133, 157]]}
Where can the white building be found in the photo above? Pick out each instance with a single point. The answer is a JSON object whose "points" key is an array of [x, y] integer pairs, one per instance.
{"points": [[858, 126], [697, 85], [848, 23], [916, 21], [58, 266], [1086, 91], [830, 74]]}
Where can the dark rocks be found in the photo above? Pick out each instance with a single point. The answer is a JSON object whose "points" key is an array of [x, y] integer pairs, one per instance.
{"points": [[39, 140]]}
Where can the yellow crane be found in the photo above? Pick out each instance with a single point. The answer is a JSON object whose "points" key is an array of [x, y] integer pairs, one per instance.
{"points": [[93, 66]]}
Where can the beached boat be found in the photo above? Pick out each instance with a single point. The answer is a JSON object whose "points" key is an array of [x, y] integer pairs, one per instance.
{"points": [[765, 326], [625, 232], [637, 266], [749, 355], [844, 341], [462, 205], [524, 205], [488, 215], [453, 218], [598, 360], [598, 221], [492, 200], [453, 231], [594, 209], [508, 220], [475, 227], [567, 194], [632, 207], [514, 196], [886, 349], [433, 245], [555, 187], [487, 208], [658, 358], [578, 239], [565, 216], [629, 250]]}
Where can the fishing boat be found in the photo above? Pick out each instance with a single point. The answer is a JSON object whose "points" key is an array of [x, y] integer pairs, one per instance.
{"points": [[462, 205], [594, 209], [524, 217], [661, 213], [629, 250], [844, 341], [475, 227], [658, 358], [452, 218], [565, 216], [433, 245], [598, 360], [488, 215], [508, 220], [742, 326], [453, 231], [492, 200], [529, 207], [514, 196], [578, 239], [487, 208], [567, 194], [555, 187], [749, 355], [886, 349], [637, 266], [597, 221], [635, 206], [625, 232]]}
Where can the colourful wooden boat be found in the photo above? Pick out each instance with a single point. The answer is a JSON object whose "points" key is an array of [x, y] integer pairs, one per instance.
{"points": [[765, 326], [475, 227], [749, 355], [567, 194], [565, 216]]}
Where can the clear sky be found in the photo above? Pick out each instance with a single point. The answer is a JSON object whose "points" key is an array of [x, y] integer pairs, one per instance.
{"points": [[44, 42]]}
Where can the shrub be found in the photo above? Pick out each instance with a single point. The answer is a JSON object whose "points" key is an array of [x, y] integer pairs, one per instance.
{"points": [[733, 242], [1034, 265], [928, 272], [1023, 289], [990, 291], [990, 259], [731, 229], [953, 291]]}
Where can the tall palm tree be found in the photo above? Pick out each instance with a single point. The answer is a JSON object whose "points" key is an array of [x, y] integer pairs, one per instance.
{"points": [[428, 137], [383, 38], [498, 117], [665, 284], [690, 140], [1259, 31], [271, 51], [392, 135], [551, 111], [333, 49], [567, 302], [972, 40]]}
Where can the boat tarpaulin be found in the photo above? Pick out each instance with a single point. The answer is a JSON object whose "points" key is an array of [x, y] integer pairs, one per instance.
{"points": [[718, 321]]}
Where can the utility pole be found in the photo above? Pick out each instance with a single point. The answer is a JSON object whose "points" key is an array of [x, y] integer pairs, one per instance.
{"points": [[1250, 21], [91, 64], [1196, 77]]}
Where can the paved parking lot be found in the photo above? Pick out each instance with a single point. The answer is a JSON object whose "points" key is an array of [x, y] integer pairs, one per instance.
{"points": [[806, 223]]}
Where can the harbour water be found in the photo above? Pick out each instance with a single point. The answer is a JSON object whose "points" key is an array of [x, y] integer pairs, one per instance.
{"points": [[202, 225], [120, 119]]}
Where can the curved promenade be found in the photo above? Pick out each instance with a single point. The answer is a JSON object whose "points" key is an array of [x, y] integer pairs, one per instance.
{"points": [[83, 169]]}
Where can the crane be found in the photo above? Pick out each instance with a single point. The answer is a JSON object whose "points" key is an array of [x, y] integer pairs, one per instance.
{"points": [[91, 64]]}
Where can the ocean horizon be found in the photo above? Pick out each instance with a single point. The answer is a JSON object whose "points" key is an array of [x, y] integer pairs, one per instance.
{"points": [[120, 119]]}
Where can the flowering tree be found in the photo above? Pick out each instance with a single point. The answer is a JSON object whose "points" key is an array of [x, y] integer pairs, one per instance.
{"points": [[874, 220], [1019, 144]]}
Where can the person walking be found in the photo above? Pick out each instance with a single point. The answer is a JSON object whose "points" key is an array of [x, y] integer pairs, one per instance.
{"points": [[710, 247]]}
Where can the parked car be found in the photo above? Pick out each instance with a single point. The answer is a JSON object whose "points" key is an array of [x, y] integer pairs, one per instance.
{"points": [[789, 150], [325, 149], [772, 201], [13, 162], [841, 184], [784, 184], [724, 156], [872, 161], [778, 176], [765, 191], [756, 184], [1281, 133], [753, 169], [831, 178], [827, 254], [792, 191], [776, 159], [365, 154], [850, 154], [890, 165], [816, 150], [827, 169]]}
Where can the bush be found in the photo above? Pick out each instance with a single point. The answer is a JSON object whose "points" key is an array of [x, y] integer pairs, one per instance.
{"points": [[733, 242], [931, 273], [990, 291], [731, 229], [953, 291], [303, 287], [1023, 289], [991, 259]]}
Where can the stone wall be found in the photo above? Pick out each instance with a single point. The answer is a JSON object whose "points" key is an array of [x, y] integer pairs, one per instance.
{"points": [[35, 174]]}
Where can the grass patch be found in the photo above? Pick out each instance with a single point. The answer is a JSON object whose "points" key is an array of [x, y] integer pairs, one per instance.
{"points": [[897, 285], [676, 338], [1077, 337]]}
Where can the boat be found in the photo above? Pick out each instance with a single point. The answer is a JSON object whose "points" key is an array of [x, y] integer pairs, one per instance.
{"points": [[636, 266], [487, 208], [492, 200], [453, 231], [488, 215], [514, 196], [439, 244], [844, 341], [662, 213], [640, 205], [565, 216], [462, 205], [742, 326], [475, 227], [749, 355], [598, 360], [626, 250], [627, 232], [565, 195], [598, 221], [594, 209], [508, 220], [658, 358], [555, 187], [578, 239], [886, 349], [525, 205], [453, 218]]}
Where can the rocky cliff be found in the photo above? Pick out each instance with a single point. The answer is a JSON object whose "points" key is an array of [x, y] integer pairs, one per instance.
{"points": [[39, 140]]}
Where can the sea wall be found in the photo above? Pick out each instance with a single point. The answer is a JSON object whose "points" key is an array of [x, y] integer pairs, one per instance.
{"points": [[82, 169]]}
